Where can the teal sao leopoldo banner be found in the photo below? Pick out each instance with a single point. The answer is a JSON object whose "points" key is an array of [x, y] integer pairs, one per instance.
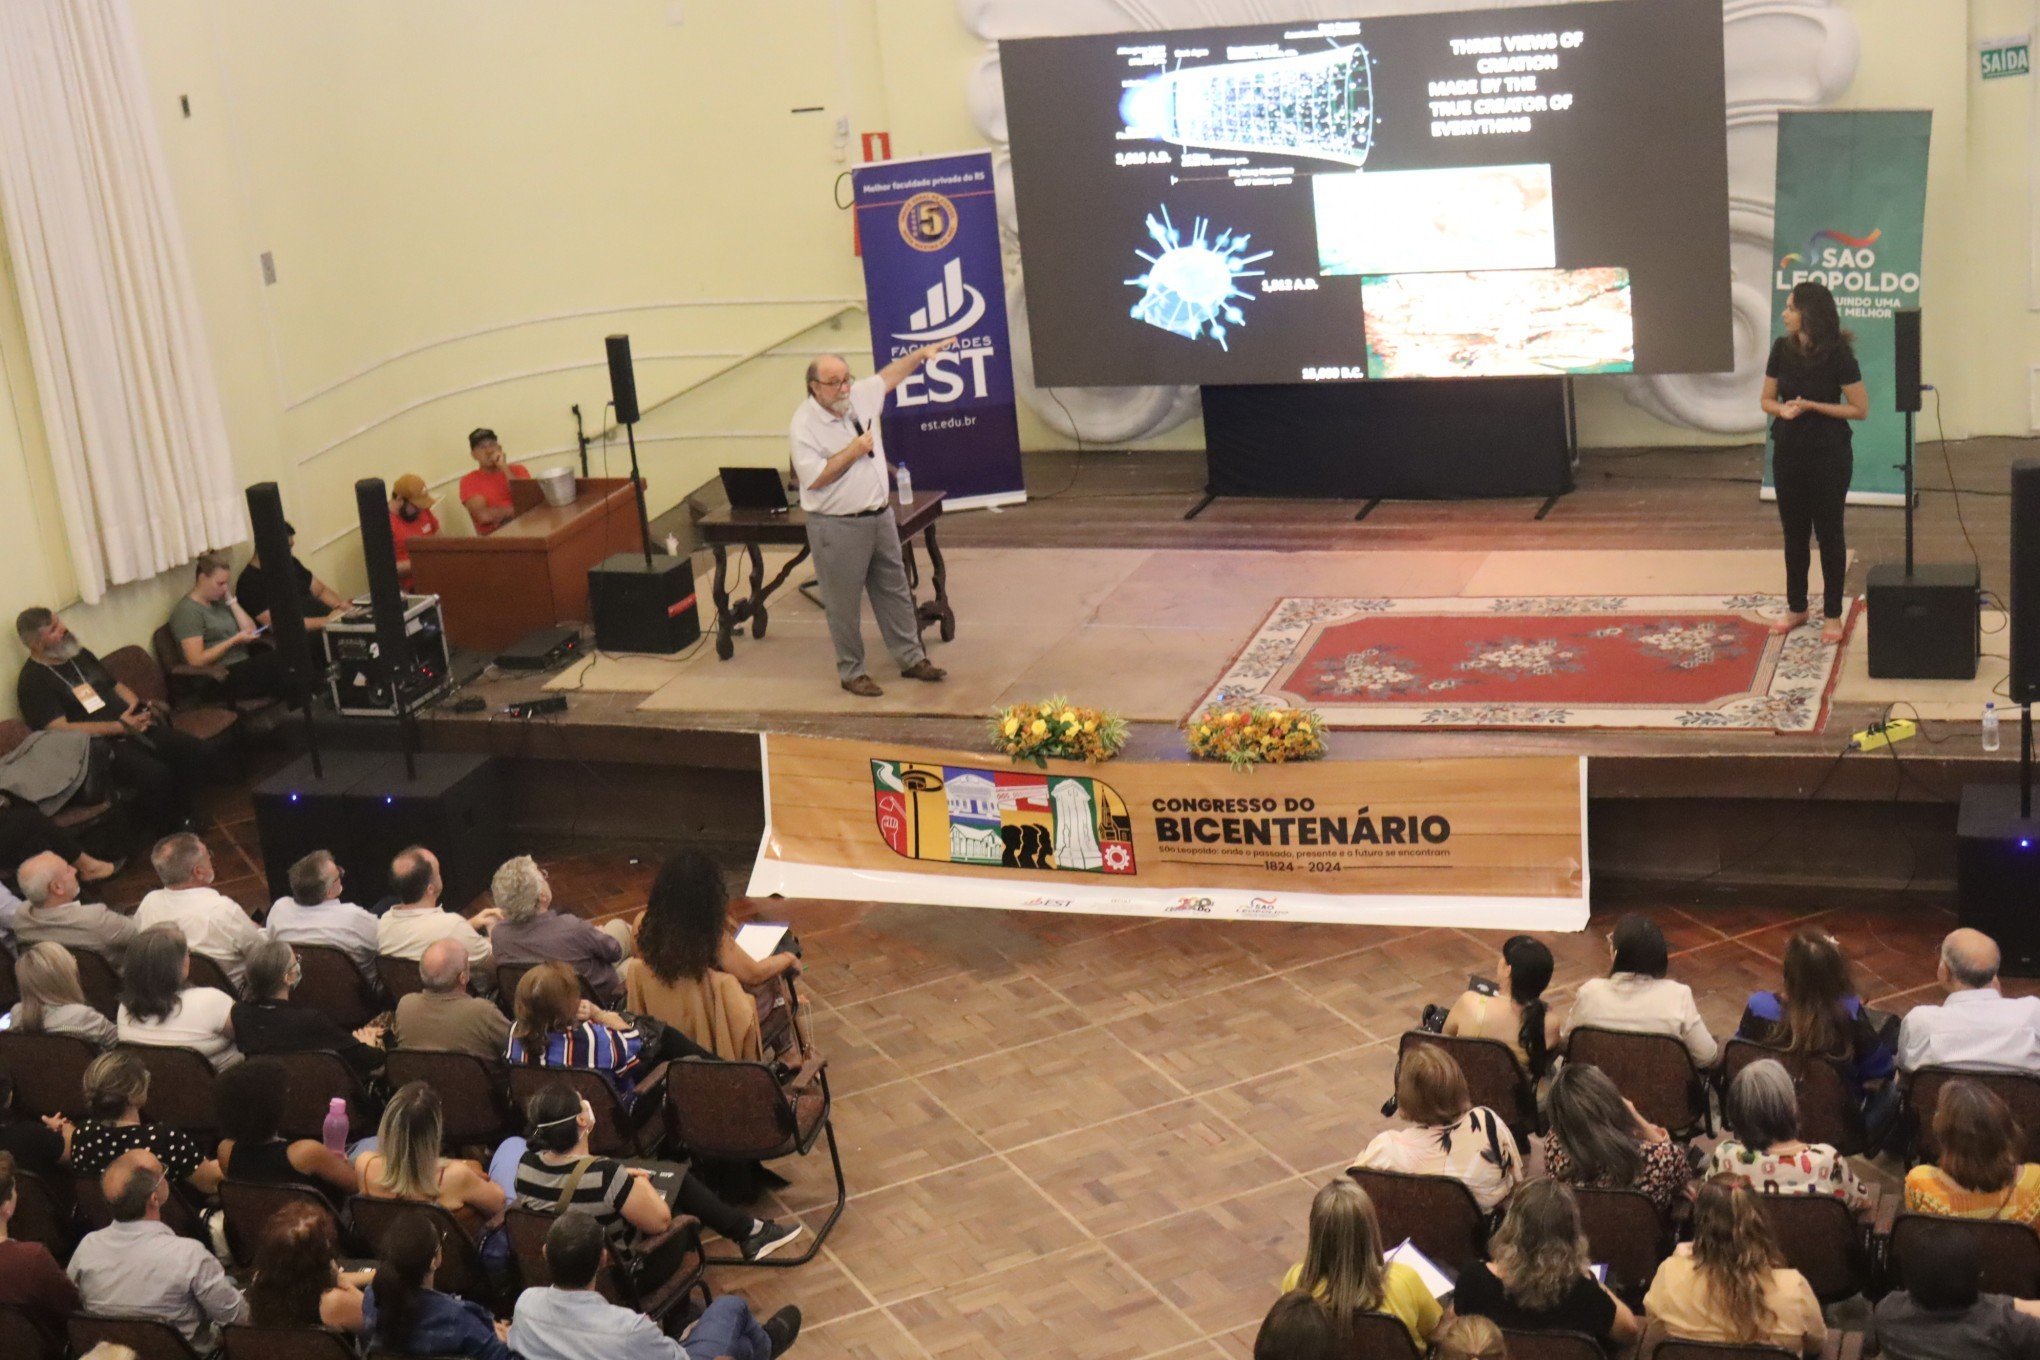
{"points": [[1852, 204]]}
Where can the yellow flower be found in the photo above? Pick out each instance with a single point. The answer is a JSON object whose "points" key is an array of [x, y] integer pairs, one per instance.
{"points": [[1066, 716], [1011, 726], [1039, 727]]}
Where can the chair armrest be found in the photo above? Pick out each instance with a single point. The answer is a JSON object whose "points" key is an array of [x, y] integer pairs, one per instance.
{"points": [[1884, 1213], [809, 1072], [185, 670], [1842, 1346]]}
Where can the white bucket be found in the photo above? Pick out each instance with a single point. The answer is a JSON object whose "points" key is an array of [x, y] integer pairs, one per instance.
{"points": [[558, 485]]}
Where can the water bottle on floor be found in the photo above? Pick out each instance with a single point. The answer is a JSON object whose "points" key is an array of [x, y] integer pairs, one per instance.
{"points": [[334, 1131], [1990, 726], [905, 481]]}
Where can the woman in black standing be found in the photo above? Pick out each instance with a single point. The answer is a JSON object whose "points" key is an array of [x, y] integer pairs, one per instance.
{"points": [[1812, 389]]}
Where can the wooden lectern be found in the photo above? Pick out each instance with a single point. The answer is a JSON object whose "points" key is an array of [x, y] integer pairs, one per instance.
{"points": [[532, 572]]}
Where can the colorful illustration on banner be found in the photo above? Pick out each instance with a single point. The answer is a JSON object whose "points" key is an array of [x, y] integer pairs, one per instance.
{"points": [[948, 814]]}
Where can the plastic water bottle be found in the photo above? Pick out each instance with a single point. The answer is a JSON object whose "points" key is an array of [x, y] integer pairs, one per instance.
{"points": [[905, 481], [1990, 726], [334, 1130], [672, 545]]}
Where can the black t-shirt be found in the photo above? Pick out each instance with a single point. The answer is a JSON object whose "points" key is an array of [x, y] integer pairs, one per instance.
{"points": [[1817, 378], [32, 1144], [283, 1027], [252, 590], [44, 693], [1585, 1308]]}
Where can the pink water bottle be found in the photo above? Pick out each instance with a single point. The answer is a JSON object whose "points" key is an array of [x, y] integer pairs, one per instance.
{"points": [[335, 1128]]}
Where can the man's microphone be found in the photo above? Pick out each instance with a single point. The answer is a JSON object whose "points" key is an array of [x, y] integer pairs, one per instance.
{"points": [[858, 427]]}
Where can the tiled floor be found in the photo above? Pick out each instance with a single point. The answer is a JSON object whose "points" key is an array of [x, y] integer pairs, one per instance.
{"points": [[1098, 1137]]}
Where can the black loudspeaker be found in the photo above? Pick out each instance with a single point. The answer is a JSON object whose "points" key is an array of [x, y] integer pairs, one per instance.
{"points": [[385, 591], [644, 607], [1997, 873], [1926, 626], [2025, 601], [622, 379], [297, 812], [1905, 354], [286, 610]]}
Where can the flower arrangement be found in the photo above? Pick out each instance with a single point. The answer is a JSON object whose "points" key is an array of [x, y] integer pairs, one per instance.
{"points": [[1057, 729], [1245, 734]]}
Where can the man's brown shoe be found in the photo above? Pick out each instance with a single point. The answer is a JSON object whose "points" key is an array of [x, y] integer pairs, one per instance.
{"points": [[924, 669], [863, 686]]}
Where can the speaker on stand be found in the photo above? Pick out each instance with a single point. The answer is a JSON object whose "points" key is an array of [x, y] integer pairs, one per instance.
{"points": [[648, 603]]}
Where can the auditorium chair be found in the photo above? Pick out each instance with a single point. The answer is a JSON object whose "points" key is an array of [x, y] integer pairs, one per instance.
{"points": [[1823, 1241], [1436, 1213], [473, 1095], [43, 1213], [249, 1205], [1839, 1346], [206, 972], [742, 1112], [210, 723], [2010, 1251], [181, 1083], [147, 1338], [245, 1341], [99, 980], [311, 1080], [1493, 1077], [200, 686], [1624, 1230], [2019, 1090], [527, 1229], [48, 1072], [76, 816], [1828, 1112], [637, 1132], [1654, 1071], [460, 1267], [399, 977], [22, 1339], [330, 984], [1378, 1336], [10, 990], [1552, 1346]]}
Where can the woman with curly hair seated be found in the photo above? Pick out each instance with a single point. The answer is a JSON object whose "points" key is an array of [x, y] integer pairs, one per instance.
{"points": [[1731, 1283], [691, 974], [1539, 1278]]}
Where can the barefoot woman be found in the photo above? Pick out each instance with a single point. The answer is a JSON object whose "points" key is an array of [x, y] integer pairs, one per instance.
{"points": [[1812, 389]]}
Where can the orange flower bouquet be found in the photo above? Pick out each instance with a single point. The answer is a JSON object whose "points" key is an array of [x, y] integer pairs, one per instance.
{"points": [[1057, 729], [1245, 734]]}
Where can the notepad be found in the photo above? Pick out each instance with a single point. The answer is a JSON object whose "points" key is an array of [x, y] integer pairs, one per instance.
{"points": [[760, 938], [1437, 1281]]}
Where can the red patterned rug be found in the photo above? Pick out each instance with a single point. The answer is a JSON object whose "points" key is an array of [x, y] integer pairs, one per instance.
{"points": [[1703, 662]]}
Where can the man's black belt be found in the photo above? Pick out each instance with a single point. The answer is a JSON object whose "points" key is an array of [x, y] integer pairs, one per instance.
{"points": [[854, 514]]}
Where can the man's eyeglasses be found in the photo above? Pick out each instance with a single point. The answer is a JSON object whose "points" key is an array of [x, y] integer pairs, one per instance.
{"points": [[843, 381]]}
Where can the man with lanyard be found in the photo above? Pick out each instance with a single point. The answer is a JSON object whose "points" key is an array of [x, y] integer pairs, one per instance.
{"points": [[839, 457]]}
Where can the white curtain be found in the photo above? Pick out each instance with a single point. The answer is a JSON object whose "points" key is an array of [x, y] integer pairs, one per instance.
{"points": [[137, 439]]}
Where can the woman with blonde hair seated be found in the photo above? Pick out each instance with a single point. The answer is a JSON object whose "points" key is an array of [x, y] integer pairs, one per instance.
{"points": [[406, 1164], [52, 998], [1447, 1134], [1469, 1338], [1731, 1283], [1344, 1270], [691, 974], [1978, 1174], [1539, 1278]]}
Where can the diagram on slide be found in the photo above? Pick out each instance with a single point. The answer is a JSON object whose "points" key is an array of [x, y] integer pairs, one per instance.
{"points": [[1522, 321], [1320, 105], [1190, 287]]}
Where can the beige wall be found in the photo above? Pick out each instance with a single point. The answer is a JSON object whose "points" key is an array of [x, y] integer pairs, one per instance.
{"points": [[464, 196]]}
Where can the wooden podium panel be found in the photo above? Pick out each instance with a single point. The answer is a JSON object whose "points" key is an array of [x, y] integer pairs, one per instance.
{"points": [[532, 572]]}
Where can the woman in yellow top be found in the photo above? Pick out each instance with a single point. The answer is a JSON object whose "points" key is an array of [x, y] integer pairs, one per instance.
{"points": [[1979, 1174], [1731, 1283], [1343, 1267]]}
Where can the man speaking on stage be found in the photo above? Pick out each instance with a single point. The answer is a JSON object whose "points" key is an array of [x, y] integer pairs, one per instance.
{"points": [[839, 457]]}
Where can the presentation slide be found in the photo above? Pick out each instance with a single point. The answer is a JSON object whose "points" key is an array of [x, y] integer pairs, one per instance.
{"points": [[1538, 190]]}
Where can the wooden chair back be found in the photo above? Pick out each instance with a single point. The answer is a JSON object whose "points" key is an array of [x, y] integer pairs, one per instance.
{"points": [[1654, 1071], [1436, 1213], [473, 1095], [2019, 1090], [48, 1072], [1828, 1112], [333, 986], [1625, 1230], [1493, 1077]]}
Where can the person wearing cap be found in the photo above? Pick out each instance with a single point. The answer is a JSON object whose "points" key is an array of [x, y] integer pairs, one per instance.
{"points": [[316, 599], [410, 517], [486, 491]]}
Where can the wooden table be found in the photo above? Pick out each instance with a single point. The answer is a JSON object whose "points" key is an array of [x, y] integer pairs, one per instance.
{"points": [[753, 529]]}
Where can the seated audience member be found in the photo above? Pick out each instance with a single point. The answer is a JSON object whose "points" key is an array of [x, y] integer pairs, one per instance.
{"points": [[1818, 1014], [66, 688], [1344, 1270], [213, 923], [138, 1267], [298, 1281], [1638, 997], [267, 1022], [691, 974], [410, 517], [532, 932], [1765, 1148], [52, 912], [1539, 1277], [30, 1278], [1979, 1174], [442, 1017], [212, 630], [38, 1144], [26, 833], [1448, 1135], [1297, 1328], [316, 599], [249, 1105], [160, 1008], [486, 491], [1518, 1017], [404, 1315], [1977, 1027], [1598, 1139], [52, 999], [1468, 1338], [556, 1028], [570, 1320], [315, 914], [116, 1089], [418, 919], [1731, 1283], [630, 1203], [406, 1164], [1942, 1313]]}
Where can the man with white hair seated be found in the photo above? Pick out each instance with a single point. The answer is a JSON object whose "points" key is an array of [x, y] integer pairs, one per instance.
{"points": [[213, 923], [315, 914], [53, 911], [532, 932], [1977, 1027]]}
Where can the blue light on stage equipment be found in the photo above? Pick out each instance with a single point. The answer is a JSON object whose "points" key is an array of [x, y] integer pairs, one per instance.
{"points": [[293, 798], [1190, 286]]}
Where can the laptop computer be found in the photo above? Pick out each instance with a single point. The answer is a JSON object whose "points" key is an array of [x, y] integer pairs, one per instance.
{"points": [[754, 488]]}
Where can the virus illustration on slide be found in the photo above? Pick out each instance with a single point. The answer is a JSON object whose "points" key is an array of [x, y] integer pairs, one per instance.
{"points": [[1190, 286]]}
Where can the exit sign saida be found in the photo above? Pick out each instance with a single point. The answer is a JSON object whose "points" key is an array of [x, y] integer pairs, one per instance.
{"points": [[2004, 57]]}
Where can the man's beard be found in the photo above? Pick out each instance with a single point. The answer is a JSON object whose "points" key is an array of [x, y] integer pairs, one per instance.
{"points": [[408, 511], [841, 405], [65, 648]]}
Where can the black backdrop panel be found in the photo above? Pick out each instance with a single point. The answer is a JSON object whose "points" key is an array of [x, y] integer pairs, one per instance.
{"points": [[1469, 437]]}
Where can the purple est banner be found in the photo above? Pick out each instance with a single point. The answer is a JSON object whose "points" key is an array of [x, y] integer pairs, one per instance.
{"points": [[930, 233]]}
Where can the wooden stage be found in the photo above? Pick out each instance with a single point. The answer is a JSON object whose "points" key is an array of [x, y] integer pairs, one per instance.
{"points": [[1676, 816]]}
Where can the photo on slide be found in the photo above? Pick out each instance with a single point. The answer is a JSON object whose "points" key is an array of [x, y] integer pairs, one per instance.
{"points": [[1434, 221], [1496, 323]]}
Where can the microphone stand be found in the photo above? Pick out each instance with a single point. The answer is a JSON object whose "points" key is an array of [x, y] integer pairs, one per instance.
{"points": [[581, 438], [637, 486]]}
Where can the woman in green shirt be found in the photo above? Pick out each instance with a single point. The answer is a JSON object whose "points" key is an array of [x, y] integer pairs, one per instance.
{"points": [[212, 629]]}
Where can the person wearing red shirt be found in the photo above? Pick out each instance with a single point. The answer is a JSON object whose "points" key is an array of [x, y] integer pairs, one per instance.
{"points": [[410, 517], [486, 491], [30, 1278]]}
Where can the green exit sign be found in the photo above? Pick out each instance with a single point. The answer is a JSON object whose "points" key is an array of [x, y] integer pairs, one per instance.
{"points": [[2004, 57]]}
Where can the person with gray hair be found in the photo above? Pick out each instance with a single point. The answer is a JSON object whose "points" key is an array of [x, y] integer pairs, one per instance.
{"points": [[268, 1022], [315, 913], [138, 1268], [1764, 1143], [54, 914], [533, 932], [443, 1017], [839, 457], [1977, 1028], [213, 923]]}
